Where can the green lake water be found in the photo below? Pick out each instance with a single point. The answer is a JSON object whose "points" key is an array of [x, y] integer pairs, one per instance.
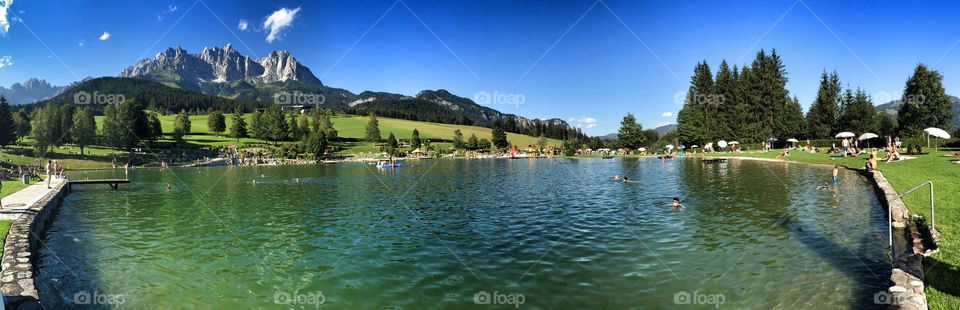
{"points": [[436, 234]]}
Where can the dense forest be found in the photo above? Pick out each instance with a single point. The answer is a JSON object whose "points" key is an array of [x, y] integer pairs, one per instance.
{"points": [[751, 104]]}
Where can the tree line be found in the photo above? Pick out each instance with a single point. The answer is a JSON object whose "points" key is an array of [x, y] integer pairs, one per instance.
{"points": [[751, 104]]}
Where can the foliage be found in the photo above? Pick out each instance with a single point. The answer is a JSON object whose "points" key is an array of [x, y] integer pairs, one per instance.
{"points": [[216, 122], [8, 129], [924, 103], [84, 129], [499, 139], [373, 129]]}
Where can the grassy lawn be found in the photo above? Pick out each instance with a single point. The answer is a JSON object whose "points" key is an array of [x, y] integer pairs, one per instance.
{"points": [[943, 268], [11, 186], [348, 126], [4, 228]]}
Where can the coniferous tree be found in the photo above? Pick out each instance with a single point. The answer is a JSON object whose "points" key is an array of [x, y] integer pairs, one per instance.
{"points": [[499, 138], [458, 140], [373, 129], [415, 139], [823, 115], [630, 134], [8, 129], [154, 128], [859, 115], [239, 128], [45, 135]]}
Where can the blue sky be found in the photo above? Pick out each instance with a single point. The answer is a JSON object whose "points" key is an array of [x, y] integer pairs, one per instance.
{"points": [[589, 62]]}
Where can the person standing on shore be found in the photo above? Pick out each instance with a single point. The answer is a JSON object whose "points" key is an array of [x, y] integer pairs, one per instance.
{"points": [[49, 176]]}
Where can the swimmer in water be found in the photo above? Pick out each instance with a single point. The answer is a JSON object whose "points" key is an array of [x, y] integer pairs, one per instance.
{"points": [[169, 187], [676, 203], [836, 169], [617, 178], [626, 180]]}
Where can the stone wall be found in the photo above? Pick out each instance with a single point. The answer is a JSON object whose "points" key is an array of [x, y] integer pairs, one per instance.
{"points": [[906, 279], [19, 251]]}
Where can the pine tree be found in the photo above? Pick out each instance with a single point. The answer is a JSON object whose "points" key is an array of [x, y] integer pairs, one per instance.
{"points": [[859, 115], [458, 140], [415, 139], [499, 138], [373, 129], [22, 124], [822, 119], [630, 134], [239, 128], [8, 130]]}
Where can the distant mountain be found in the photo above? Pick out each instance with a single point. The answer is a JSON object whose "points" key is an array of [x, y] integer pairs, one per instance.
{"points": [[662, 130], [99, 92], [893, 107], [665, 129], [30, 91], [219, 65], [226, 73]]}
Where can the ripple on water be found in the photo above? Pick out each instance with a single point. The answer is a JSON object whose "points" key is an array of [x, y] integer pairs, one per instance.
{"points": [[556, 230]]}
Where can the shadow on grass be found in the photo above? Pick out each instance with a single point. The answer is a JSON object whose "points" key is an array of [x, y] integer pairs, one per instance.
{"points": [[942, 275]]}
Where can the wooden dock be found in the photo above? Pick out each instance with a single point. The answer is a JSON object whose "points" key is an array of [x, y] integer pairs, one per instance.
{"points": [[114, 183]]}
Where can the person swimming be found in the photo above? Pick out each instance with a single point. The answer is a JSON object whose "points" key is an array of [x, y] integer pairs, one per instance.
{"points": [[676, 203], [169, 187], [617, 178]]}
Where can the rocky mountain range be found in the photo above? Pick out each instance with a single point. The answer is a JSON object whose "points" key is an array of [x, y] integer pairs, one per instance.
{"points": [[31, 90], [226, 73], [219, 65]]}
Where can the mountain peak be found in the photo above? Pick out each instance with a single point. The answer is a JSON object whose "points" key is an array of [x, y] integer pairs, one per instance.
{"points": [[220, 65]]}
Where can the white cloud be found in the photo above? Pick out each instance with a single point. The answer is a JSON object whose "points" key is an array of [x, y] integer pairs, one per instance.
{"points": [[4, 22], [105, 36], [667, 114], [170, 9], [278, 21], [5, 61], [81, 42], [588, 122], [243, 25]]}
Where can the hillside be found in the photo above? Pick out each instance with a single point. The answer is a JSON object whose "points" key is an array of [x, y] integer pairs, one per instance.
{"points": [[892, 107], [349, 128], [225, 73], [95, 93]]}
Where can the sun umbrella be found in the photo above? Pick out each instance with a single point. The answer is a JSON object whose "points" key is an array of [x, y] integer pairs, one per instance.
{"points": [[866, 136], [936, 132], [694, 146], [846, 134], [670, 146], [722, 143], [642, 149], [682, 147], [793, 140], [733, 143]]}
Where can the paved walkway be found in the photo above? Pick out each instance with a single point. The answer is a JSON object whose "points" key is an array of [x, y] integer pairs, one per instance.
{"points": [[16, 204]]}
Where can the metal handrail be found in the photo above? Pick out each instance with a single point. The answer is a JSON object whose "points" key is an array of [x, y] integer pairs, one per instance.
{"points": [[933, 218]]}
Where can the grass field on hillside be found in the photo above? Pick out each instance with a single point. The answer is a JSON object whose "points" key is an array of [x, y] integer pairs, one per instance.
{"points": [[347, 126]]}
